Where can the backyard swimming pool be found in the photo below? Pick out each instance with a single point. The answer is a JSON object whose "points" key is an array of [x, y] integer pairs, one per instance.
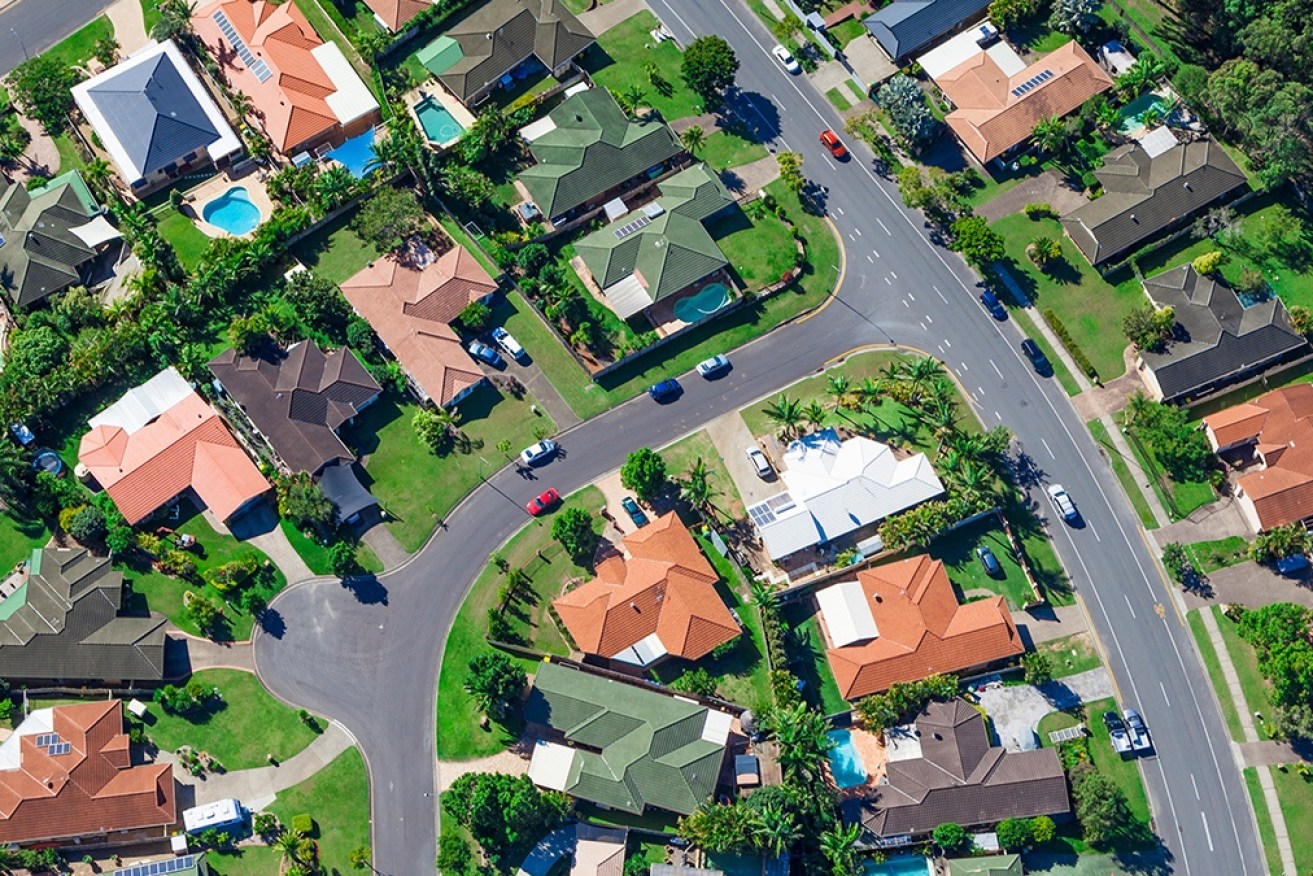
{"points": [[233, 212], [440, 127], [702, 303], [356, 154], [1131, 119], [906, 865], [845, 763]]}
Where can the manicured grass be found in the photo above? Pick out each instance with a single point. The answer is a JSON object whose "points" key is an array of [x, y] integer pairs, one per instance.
{"points": [[1044, 563], [418, 489], [544, 346], [524, 91], [1208, 654], [69, 156], [188, 241], [1209, 556], [150, 13], [76, 49], [1257, 695], [1266, 834], [335, 252], [247, 726], [1071, 655], [1296, 795], [957, 549], [1060, 371], [807, 660], [18, 538], [654, 819], [846, 31], [618, 60], [459, 736], [839, 98], [315, 555], [731, 148], [1124, 475], [1180, 499], [996, 181], [680, 457], [759, 247], [1091, 309]]}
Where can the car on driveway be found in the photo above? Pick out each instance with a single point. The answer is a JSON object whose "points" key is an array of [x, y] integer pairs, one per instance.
{"points": [[988, 561], [543, 502], [784, 57], [484, 353], [1292, 565], [540, 452], [759, 462], [635, 513], [664, 391], [831, 141], [713, 366], [1062, 503], [507, 342], [1038, 360], [1139, 733], [993, 305], [1117, 733]]}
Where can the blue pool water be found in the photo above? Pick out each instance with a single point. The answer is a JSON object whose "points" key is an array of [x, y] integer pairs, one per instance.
{"points": [[233, 212], [703, 303], [438, 124], [356, 154], [845, 763], [905, 865], [1131, 118]]}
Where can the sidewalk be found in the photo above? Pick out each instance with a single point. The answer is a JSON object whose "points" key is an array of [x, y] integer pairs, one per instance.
{"points": [[1142, 480], [1237, 695]]}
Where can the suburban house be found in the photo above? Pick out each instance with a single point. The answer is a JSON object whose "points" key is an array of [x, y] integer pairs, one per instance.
{"points": [[1277, 428], [49, 237], [1219, 339], [623, 746], [303, 91], [655, 601], [409, 298], [904, 27], [66, 775], [161, 441], [999, 99], [901, 622], [587, 151], [496, 42], [61, 620], [662, 248], [598, 851], [1147, 191], [155, 118], [394, 15], [835, 488], [943, 769]]}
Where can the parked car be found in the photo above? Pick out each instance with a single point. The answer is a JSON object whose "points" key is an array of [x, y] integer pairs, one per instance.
{"points": [[1121, 740], [635, 513], [665, 390], [536, 453], [831, 141], [993, 305], [1139, 733], [712, 366], [1292, 564], [507, 342], [1062, 503], [544, 501], [484, 353], [1038, 360], [760, 462], [988, 561], [789, 62]]}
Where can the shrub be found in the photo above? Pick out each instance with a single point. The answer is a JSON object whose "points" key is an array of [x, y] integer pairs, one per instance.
{"points": [[66, 516], [897, 705], [949, 836], [1042, 829], [1209, 262], [644, 472], [695, 681], [303, 824], [573, 528], [1177, 562], [342, 559], [88, 525], [1039, 211], [231, 575], [1014, 834], [502, 811], [1038, 666], [1077, 355], [454, 854], [1149, 327]]}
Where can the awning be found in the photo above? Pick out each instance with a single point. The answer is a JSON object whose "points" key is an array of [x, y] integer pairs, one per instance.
{"points": [[96, 232], [349, 497], [439, 55]]}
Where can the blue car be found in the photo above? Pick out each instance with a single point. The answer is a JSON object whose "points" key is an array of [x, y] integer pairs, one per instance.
{"points": [[993, 305], [485, 353], [665, 390]]}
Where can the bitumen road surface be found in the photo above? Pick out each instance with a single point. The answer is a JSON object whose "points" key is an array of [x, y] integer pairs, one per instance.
{"points": [[368, 654], [29, 27]]}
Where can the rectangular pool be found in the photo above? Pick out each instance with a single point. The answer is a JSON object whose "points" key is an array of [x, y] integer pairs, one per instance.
{"points": [[440, 127], [904, 865], [845, 763]]}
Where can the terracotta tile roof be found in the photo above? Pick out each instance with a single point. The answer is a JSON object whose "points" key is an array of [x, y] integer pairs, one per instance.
{"points": [[922, 629], [1283, 491], [665, 587], [92, 790], [409, 306], [991, 118], [396, 13], [186, 446]]}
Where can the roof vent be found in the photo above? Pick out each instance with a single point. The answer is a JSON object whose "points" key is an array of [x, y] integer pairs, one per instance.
{"points": [[634, 606], [1135, 219], [939, 737], [1188, 187], [877, 597]]}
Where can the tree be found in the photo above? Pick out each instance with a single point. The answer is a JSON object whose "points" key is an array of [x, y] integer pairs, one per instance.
{"points": [[305, 504], [454, 855], [494, 680], [1209, 262], [1009, 13], [475, 317], [342, 559], [320, 306], [202, 612], [1014, 834], [573, 528], [1050, 135], [389, 218], [1043, 251], [467, 187], [487, 137], [909, 111], [720, 827], [41, 88], [644, 472], [693, 139], [803, 740], [949, 836], [1074, 16], [14, 138], [837, 846], [786, 413], [1149, 327], [436, 427], [696, 488], [777, 830], [88, 525], [1042, 829], [1251, 282], [174, 21], [1301, 319], [332, 187], [1038, 666], [502, 811], [791, 171], [979, 244], [361, 857], [1100, 805], [708, 67]]}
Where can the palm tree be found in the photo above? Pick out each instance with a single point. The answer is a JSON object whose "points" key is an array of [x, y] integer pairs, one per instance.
{"points": [[288, 844], [241, 105], [840, 389], [1043, 251], [1050, 135], [837, 847], [696, 488], [761, 591], [1137, 408], [694, 139], [921, 373], [786, 413], [333, 187], [941, 416], [630, 99], [973, 479], [777, 830], [97, 174], [803, 740], [815, 414], [1108, 116]]}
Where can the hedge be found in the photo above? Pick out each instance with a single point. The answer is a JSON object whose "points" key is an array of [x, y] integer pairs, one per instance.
{"points": [[1077, 356]]}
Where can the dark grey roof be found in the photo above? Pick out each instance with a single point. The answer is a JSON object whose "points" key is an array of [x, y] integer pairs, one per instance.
{"points": [[1144, 196], [1217, 338], [961, 778], [904, 27], [349, 497], [499, 35], [154, 114], [64, 624], [39, 254], [299, 399]]}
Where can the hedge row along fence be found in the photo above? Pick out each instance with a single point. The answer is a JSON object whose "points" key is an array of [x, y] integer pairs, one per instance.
{"points": [[1077, 355]]}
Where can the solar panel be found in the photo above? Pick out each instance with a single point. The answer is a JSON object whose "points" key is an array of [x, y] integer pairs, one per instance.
{"points": [[630, 227], [761, 514], [254, 64], [59, 748], [153, 868]]}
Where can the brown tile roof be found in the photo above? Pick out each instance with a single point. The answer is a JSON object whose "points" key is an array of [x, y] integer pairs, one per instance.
{"points": [[409, 301], [665, 587], [91, 790], [961, 778], [298, 399], [1281, 423], [990, 118], [187, 446], [397, 13], [922, 629]]}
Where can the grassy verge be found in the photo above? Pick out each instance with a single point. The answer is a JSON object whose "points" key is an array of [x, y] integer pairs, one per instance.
{"points": [[584, 397], [1252, 683], [315, 555], [807, 659], [1027, 324], [957, 549], [1296, 796], [730, 148], [1266, 834], [1124, 475], [76, 49], [1071, 655], [1125, 773], [681, 456], [189, 242], [1180, 499], [758, 246], [1208, 654], [839, 98], [1209, 556]]}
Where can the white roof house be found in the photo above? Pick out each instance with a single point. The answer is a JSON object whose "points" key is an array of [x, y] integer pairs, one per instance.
{"points": [[847, 614], [967, 45], [143, 404], [837, 487]]}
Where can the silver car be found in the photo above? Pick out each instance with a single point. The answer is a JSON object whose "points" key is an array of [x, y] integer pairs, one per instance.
{"points": [[759, 462], [536, 453], [1139, 733]]}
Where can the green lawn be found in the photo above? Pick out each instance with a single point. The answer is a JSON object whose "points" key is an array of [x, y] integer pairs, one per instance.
{"points": [[1208, 654], [1071, 655], [680, 457], [76, 49], [1180, 499], [1266, 834], [1124, 475], [315, 555], [70, 158], [462, 237], [18, 538], [544, 346], [1296, 796], [846, 31], [1044, 563], [459, 737], [839, 98], [150, 13], [335, 252], [1089, 306], [807, 661], [758, 246], [957, 549], [418, 489], [247, 726], [730, 148], [1209, 556], [189, 242], [524, 91], [618, 60]]}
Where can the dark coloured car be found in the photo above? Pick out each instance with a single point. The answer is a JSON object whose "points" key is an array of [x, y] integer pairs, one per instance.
{"points": [[665, 390], [1038, 360], [993, 305], [483, 352], [1292, 564], [544, 501], [635, 513], [988, 561]]}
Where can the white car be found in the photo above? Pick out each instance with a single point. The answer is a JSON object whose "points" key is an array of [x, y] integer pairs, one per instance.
{"points": [[790, 63], [759, 462], [536, 453], [1139, 733], [1062, 503], [712, 366], [508, 343]]}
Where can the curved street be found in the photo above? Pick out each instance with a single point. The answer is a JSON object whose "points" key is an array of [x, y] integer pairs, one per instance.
{"points": [[368, 655]]}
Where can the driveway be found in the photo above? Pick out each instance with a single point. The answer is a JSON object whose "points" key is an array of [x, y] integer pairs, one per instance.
{"points": [[732, 439], [1016, 710], [1048, 188]]}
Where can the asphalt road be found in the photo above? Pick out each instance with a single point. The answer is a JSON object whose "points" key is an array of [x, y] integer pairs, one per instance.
{"points": [[368, 655], [29, 27]]}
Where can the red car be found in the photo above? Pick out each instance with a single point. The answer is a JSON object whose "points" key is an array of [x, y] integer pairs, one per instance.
{"points": [[831, 141], [546, 500]]}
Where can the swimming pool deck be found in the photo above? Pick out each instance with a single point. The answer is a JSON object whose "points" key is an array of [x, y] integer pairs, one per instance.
{"points": [[871, 750], [434, 90], [221, 182]]}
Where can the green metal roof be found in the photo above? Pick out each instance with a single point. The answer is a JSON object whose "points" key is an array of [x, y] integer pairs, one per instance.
{"points": [[593, 148], [439, 55], [640, 748], [80, 189]]}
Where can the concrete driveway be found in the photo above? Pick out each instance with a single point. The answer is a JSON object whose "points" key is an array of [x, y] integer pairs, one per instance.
{"points": [[1016, 710], [732, 439]]}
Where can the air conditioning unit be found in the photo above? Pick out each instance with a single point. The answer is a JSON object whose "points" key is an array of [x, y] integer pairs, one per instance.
{"points": [[986, 34]]}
